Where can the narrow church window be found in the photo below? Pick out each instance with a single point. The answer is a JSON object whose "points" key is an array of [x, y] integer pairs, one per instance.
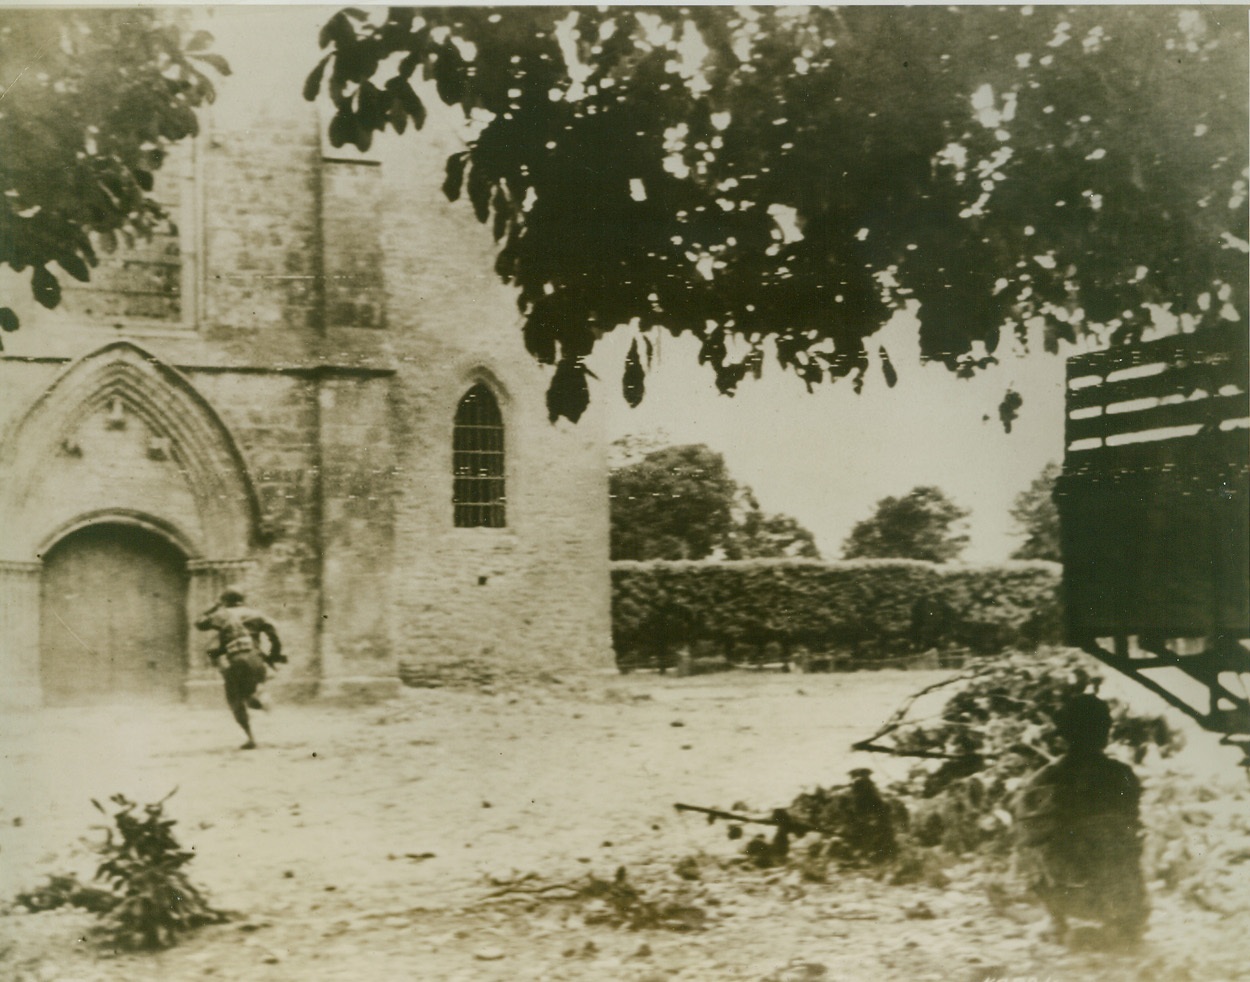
{"points": [[478, 461]]}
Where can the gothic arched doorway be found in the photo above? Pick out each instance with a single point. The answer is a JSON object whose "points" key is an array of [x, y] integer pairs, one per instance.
{"points": [[113, 620]]}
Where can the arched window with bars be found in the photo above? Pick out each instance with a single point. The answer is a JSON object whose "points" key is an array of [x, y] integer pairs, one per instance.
{"points": [[478, 461]]}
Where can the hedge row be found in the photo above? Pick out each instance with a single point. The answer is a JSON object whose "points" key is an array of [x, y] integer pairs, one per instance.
{"points": [[867, 608]]}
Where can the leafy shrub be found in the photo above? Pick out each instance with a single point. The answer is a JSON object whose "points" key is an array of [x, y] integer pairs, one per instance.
{"points": [[618, 903], [857, 823], [870, 608], [65, 890], [144, 864], [853, 825], [995, 729]]}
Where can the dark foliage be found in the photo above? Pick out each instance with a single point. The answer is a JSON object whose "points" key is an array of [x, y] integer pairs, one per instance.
{"points": [[780, 181], [867, 607], [758, 535], [144, 863], [619, 903], [995, 728], [92, 98], [66, 891], [682, 503], [923, 524], [676, 503], [1037, 517]]}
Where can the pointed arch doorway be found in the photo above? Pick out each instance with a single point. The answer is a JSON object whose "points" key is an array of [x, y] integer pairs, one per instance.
{"points": [[118, 439], [113, 605]]}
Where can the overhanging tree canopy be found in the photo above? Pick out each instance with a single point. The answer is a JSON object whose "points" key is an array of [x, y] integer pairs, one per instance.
{"points": [[89, 101], [786, 179]]}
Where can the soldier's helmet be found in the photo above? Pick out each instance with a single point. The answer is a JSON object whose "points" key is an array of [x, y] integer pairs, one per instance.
{"points": [[1085, 721], [232, 596]]}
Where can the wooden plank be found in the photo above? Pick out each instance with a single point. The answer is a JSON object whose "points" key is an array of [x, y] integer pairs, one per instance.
{"points": [[1228, 338], [1212, 411], [1208, 459], [1156, 534], [1141, 558], [1209, 376]]}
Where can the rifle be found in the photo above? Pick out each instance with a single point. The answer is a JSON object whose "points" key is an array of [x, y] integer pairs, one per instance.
{"points": [[780, 818], [762, 853]]}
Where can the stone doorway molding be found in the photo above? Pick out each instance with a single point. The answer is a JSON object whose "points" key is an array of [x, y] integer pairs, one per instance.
{"points": [[210, 513]]}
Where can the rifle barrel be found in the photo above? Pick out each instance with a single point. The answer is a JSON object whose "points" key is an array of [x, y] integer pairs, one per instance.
{"points": [[779, 822], [728, 816]]}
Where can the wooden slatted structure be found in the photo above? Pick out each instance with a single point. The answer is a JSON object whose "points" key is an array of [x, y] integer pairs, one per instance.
{"points": [[1154, 505]]}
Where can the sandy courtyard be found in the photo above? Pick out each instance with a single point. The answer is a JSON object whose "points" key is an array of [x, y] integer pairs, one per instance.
{"points": [[367, 843]]}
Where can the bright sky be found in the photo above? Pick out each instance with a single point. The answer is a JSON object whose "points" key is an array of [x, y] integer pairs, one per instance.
{"points": [[827, 457]]}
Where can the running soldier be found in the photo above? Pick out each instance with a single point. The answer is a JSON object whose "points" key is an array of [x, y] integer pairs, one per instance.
{"points": [[246, 661]]}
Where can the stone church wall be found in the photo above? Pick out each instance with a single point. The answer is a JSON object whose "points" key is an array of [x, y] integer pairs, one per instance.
{"points": [[332, 314]]}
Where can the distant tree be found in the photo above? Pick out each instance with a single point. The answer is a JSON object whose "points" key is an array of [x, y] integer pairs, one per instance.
{"points": [[779, 181], [676, 503], [681, 503], [90, 99], [923, 524], [1035, 513], [757, 535], [633, 447]]}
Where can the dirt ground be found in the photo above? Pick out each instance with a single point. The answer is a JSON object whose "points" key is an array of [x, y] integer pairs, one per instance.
{"points": [[398, 841]]}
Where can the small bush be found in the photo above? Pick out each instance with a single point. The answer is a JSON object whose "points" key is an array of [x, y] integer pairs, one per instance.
{"points": [[618, 903], [995, 729], [144, 864], [65, 890]]}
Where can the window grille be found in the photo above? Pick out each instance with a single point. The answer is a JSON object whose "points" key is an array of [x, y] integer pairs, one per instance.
{"points": [[478, 462]]}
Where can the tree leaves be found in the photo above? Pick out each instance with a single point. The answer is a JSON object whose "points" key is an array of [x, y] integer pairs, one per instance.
{"points": [[454, 180], [568, 395], [45, 288], [449, 74], [215, 62], [8, 321], [887, 367], [114, 88], [479, 187], [406, 101], [342, 130], [811, 172], [634, 379], [1037, 517], [681, 503], [676, 503], [75, 266], [923, 524], [337, 32], [312, 85], [1009, 408]]}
